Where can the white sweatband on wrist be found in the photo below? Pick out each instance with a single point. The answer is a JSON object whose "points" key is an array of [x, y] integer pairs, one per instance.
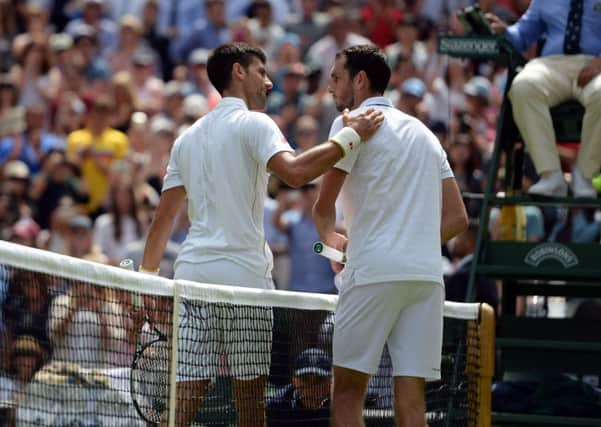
{"points": [[347, 163], [347, 139], [147, 271]]}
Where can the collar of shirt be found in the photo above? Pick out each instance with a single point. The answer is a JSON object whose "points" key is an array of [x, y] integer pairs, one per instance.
{"points": [[380, 101], [232, 101]]}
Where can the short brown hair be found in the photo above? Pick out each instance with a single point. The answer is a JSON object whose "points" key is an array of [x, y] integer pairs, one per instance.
{"points": [[223, 58]]}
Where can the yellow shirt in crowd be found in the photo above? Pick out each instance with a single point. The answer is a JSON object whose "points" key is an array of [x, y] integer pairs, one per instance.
{"points": [[110, 145]]}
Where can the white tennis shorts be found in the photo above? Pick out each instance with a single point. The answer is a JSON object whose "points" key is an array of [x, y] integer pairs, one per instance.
{"points": [[218, 339], [405, 315]]}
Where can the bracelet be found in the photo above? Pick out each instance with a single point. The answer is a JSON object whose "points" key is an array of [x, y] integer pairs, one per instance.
{"points": [[347, 139], [147, 271]]}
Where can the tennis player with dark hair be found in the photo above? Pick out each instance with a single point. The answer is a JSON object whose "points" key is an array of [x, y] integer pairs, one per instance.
{"points": [[221, 164], [400, 201]]}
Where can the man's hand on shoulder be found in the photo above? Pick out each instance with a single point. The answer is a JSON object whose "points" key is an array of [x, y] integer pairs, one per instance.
{"points": [[365, 123], [589, 71]]}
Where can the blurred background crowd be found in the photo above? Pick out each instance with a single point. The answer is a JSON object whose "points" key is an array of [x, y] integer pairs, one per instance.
{"points": [[93, 94]]}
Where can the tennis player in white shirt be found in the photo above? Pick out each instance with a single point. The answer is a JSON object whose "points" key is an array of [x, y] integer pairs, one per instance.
{"points": [[220, 164], [400, 201]]}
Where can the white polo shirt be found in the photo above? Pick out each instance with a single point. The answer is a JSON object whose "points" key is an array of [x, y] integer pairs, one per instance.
{"points": [[221, 161], [392, 200]]}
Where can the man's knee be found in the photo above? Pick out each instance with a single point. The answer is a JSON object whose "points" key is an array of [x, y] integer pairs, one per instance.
{"points": [[591, 96], [409, 395], [523, 87], [349, 384]]}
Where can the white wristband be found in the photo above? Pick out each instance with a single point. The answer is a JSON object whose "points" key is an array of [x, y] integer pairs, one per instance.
{"points": [[147, 271], [347, 139]]}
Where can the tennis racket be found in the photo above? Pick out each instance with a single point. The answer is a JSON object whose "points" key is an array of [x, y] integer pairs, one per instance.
{"points": [[149, 374], [329, 252]]}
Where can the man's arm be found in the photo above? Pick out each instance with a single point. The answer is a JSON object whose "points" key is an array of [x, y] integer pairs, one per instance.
{"points": [[324, 212], [525, 32], [158, 235], [454, 216], [297, 171]]}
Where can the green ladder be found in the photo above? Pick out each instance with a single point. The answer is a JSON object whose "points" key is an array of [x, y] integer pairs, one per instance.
{"points": [[527, 344]]}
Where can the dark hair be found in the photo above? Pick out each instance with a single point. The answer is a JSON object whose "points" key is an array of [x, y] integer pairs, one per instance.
{"points": [[223, 58], [371, 60]]}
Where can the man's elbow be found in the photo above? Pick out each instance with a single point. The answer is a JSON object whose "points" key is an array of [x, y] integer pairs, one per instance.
{"points": [[296, 177], [463, 222], [454, 225], [460, 223]]}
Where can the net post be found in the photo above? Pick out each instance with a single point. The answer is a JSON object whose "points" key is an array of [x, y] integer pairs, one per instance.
{"points": [[486, 333], [173, 364]]}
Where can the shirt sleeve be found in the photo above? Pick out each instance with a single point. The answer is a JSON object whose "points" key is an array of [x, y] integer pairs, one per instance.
{"points": [[173, 176], [347, 162], [528, 29], [445, 167], [264, 139]]}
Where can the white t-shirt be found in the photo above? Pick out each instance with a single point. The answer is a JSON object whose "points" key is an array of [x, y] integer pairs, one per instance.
{"points": [[221, 161], [82, 342], [104, 235], [392, 200]]}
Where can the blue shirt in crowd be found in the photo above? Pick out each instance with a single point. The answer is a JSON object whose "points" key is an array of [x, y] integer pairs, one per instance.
{"points": [[549, 19], [28, 153], [308, 272]]}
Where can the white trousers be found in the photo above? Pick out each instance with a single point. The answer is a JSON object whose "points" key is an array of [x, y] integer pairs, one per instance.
{"points": [[543, 83]]}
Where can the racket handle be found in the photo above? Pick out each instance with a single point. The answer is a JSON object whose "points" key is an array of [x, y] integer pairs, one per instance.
{"points": [[136, 298], [329, 252], [127, 264]]}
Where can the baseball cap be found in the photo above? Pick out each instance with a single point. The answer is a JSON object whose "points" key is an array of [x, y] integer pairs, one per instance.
{"points": [[27, 345], [195, 105], [80, 221], [199, 56], [160, 124], [313, 361], [143, 56], [82, 30], [16, 169], [131, 22], [478, 86], [60, 42], [414, 87], [177, 88]]}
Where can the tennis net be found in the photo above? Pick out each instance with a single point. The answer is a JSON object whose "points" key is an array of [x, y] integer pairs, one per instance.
{"points": [[94, 345]]}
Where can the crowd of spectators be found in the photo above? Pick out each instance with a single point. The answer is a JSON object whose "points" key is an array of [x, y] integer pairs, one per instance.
{"points": [[94, 92]]}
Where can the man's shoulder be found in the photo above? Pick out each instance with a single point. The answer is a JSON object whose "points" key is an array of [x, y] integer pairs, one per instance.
{"points": [[257, 122]]}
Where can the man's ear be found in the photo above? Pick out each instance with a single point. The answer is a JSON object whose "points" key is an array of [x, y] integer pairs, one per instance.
{"points": [[238, 71], [361, 79]]}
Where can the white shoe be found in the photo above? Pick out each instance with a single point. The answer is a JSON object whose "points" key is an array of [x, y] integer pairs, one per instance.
{"points": [[551, 184], [582, 187]]}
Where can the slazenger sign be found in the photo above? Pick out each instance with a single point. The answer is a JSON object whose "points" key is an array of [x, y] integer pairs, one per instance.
{"points": [[551, 251], [469, 46]]}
